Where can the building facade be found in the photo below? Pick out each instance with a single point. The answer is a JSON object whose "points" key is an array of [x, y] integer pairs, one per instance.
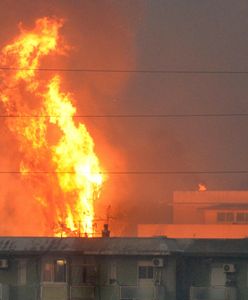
{"points": [[123, 269], [204, 214], [86, 269], [210, 207]]}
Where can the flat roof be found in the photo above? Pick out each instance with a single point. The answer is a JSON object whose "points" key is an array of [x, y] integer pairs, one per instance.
{"points": [[216, 247], [207, 197]]}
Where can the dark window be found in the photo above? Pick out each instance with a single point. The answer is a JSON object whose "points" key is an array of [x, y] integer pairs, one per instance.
{"points": [[245, 217], [89, 274], [230, 217], [150, 272], [22, 272], [242, 217], [221, 217], [145, 272], [54, 271], [60, 270], [47, 271], [142, 272], [84, 274], [225, 217]]}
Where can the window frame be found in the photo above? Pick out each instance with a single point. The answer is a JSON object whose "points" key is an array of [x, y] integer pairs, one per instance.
{"points": [[22, 264], [147, 273], [225, 217], [83, 266], [232, 217], [146, 264], [52, 262]]}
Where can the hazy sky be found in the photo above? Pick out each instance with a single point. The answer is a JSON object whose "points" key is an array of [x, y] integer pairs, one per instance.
{"points": [[155, 34]]}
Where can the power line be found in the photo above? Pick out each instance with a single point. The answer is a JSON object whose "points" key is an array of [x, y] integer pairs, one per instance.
{"points": [[148, 71], [134, 172], [208, 115]]}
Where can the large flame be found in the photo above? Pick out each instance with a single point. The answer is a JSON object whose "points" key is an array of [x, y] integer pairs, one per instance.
{"points": [[50, 141]]}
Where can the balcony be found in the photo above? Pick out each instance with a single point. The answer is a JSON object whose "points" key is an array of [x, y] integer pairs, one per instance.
{"points": [[213, 293]]}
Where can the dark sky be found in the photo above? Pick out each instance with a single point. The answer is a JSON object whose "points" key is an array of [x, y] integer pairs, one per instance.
{"points": [[169, 35]]}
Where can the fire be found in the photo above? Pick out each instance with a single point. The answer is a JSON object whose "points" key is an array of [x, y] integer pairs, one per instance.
{"points": [[202, 187], [50, 141]]}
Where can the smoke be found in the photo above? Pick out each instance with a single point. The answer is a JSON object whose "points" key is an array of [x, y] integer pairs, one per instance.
{"points": [[146, 35]]}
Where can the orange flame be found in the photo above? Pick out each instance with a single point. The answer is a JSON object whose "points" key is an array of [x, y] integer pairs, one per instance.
{"points": [[202, 187], [74, 178]]}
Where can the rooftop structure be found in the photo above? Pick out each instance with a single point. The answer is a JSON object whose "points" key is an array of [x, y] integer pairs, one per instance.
{"points": [[204, 214]]}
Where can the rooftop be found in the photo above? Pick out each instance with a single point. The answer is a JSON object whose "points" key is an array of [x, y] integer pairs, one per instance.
{"points": [[123, 246], [210, 196], [100, 246]]}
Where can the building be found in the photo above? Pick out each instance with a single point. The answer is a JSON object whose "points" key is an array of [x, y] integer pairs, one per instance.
{"points": [[123, 269], [87, 268], [210, 207], [204, 214]]}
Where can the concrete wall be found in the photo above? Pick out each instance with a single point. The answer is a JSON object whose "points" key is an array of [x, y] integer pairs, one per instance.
{"points": [[188, 206], [106, 286], [19, 291], [192, 231], [197, 273], [177, 276]]}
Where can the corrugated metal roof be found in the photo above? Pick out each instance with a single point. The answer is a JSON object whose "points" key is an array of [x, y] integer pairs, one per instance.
{"points": [[123, 246], [102, 246], [217, 247]]}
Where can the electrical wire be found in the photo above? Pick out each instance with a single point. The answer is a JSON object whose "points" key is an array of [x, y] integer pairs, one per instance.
{"points": [[134, 172], [148, 71], [208, 115]]}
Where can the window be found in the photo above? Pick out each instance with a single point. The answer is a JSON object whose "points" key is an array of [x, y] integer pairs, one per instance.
{"points": [[225, 217], [145, 272], [48, 271], [84, 274], [89, 274], [242, 217], [112, 273], [54, 271], [229, 217], [60, 270], [232, 217], [22, 272]]}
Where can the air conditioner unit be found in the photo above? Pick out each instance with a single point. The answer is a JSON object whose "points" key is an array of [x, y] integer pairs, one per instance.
{"points": [[157, 262], [4, 291], [4, 264], [229, 268]]}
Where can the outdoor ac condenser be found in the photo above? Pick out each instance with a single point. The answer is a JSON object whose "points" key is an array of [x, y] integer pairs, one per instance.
{"points": [[229, 268], [157, 262], [4, 291]]}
